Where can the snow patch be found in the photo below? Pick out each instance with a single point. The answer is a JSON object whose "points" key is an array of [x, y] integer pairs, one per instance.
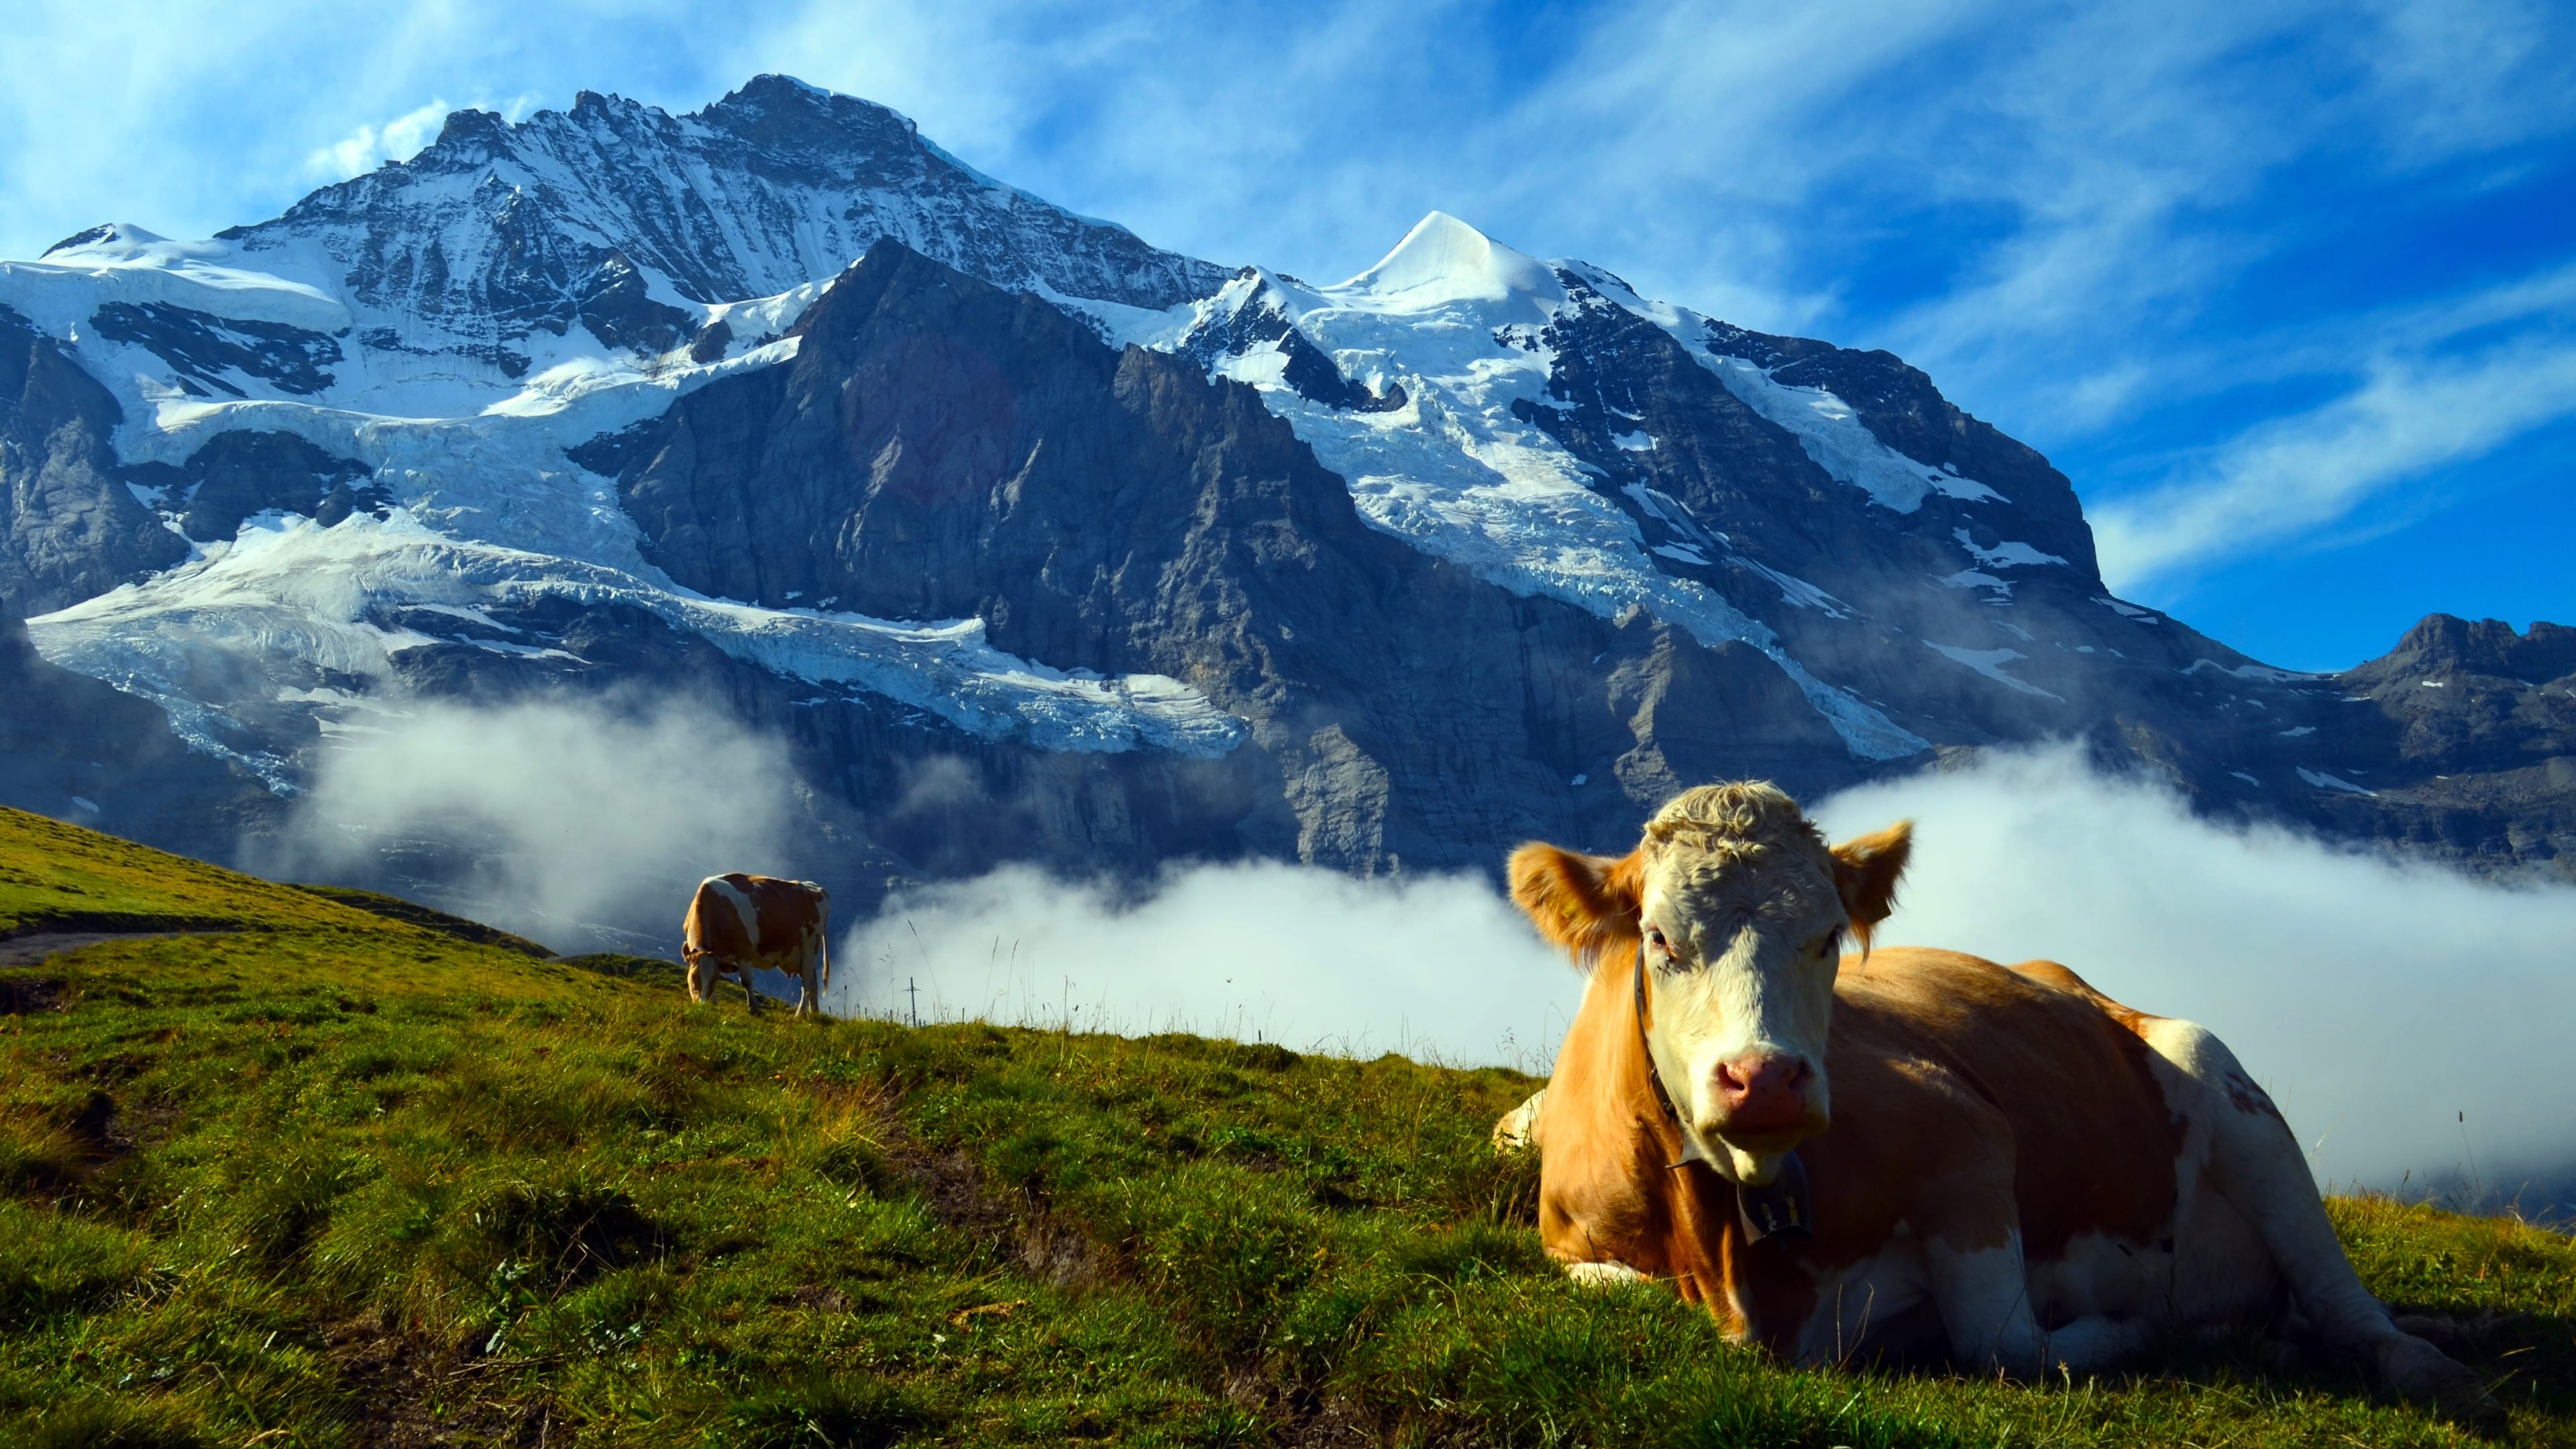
{"points": [[1990, 663], [1972, 579], [2323, 781], [2247, 671], [1798, 591], [1831, 434], [2005, 555]]}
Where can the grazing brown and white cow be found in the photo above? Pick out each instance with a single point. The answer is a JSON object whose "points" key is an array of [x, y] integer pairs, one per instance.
{"points": [[737, 922], [2020, 1173]]}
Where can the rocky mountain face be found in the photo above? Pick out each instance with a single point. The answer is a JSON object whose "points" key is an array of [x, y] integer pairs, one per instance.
{"points": [[613, 216], [2472, 728], [91, 753], [943, 448], [68, 527], [1035, 543]]}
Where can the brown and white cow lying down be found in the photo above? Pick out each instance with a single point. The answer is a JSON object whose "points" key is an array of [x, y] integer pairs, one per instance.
{"points": [[2020, 1172], [737, 922]]}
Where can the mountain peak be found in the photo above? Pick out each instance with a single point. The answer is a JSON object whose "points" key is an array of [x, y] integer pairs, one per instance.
{"points": [[2485, 646], [498, 229], [115, 238], [807, 110], [770, 83], [1444, 259], [483, 133]]}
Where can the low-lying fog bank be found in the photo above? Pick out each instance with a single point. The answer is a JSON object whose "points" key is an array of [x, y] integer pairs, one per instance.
{"points": [[2412, 1023], [582, 824], [1440, 968]]}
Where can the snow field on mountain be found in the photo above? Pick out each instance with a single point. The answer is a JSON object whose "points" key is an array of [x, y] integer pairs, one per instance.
{"points": [[60, 291], [1453, 472], [491, 513]]}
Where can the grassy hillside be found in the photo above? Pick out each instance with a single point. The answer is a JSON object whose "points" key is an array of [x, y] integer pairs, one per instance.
{"points": [[330, 1177]]}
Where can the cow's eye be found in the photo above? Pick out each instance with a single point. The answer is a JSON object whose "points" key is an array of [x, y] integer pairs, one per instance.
{"points": [[1655, 938]]}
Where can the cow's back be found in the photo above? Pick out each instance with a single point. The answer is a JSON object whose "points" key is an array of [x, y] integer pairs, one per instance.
{"points": [[724, 918], [1936, 1059], [1920, 1035], [751, 918]]}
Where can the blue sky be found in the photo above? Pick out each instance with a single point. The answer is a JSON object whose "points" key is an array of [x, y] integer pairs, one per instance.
{"points": [[2289, 290]]}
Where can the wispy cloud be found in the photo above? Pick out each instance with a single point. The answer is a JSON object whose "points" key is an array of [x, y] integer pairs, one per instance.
{"points": [[367, 147], [2440, 382], [2471, 76], [2289, 479]]}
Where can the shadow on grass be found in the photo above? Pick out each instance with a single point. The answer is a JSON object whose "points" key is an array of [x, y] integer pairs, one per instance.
{"points": [[845, 1412]]}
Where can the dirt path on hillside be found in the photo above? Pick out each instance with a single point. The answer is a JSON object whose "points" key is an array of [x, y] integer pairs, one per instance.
{"points": [[35, 946]]}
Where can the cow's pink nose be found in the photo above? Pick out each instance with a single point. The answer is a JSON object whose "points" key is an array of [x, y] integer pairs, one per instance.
{"points": [[1763, 1093]]}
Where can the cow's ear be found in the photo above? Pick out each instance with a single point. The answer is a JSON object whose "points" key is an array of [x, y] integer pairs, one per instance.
{"points": [[1584, 903], [1865, 873]]}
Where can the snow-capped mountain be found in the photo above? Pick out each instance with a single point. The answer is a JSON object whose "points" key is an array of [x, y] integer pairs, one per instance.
{"points": [[779, 402]]}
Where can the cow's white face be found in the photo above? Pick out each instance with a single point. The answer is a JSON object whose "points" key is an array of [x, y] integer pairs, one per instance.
{"points": [[1740, 944], [1738, 912]]}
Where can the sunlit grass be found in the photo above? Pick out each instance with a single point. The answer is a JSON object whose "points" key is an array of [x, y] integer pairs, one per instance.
{"points": [[337, 1180]]}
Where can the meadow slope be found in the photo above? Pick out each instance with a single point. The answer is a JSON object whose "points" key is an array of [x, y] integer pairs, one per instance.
{"points": [[311, 1174]]}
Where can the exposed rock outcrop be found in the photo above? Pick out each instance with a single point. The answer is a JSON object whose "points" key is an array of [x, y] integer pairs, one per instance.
{"points": [[2473, 746], [69, 527]]}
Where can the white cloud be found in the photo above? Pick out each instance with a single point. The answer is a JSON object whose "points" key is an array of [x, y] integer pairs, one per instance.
{"points": [[2284, 480], [2470, 76], [1439, 968], [367, 147], [2376, 1001], [554, 819]]}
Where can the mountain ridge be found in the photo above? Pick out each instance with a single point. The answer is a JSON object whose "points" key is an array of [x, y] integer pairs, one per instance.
{"points": [[487, 423]]}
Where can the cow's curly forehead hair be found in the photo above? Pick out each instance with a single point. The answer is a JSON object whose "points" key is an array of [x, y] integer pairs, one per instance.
{"points": [[1748, 821]]}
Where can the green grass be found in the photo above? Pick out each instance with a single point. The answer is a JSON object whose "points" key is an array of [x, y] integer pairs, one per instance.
{"points": [[377, 903], [332, 1178]]}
